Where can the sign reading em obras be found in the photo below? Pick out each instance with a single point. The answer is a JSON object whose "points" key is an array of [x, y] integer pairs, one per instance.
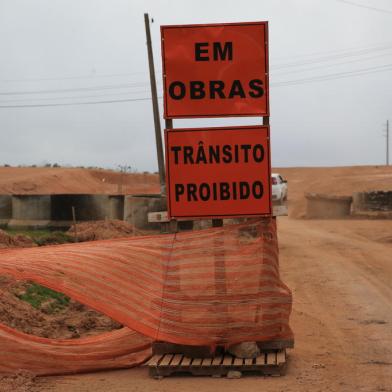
{"points": [[215, 71]]}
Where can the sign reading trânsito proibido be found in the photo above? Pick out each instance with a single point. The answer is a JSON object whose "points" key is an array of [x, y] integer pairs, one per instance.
{"points": [[218, 172]]}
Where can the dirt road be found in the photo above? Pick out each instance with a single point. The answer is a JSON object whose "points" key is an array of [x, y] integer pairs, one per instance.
{"points": [[341, 276]]}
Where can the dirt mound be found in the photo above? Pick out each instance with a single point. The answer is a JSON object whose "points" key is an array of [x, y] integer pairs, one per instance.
{"points": [[337, 181], [36, 181], [73, 321], [17, 241], [100, 230]]}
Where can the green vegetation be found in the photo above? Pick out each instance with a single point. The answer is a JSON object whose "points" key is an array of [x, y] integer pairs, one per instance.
{"points": [[30, 233], [42, 298], [43, 237], [54, 237]]}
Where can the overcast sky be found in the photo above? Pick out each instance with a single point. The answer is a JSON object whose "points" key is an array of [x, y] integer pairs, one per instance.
{"points": [[330, 76]]}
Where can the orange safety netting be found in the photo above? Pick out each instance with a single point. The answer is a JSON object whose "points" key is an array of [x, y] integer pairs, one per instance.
{"points": [[212, 287]]}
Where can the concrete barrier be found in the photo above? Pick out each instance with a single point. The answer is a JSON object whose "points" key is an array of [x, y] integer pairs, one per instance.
{"points": [[376, 204], [136, 208], [5, 209], [372, 201], [321, 206], [30, 211]]}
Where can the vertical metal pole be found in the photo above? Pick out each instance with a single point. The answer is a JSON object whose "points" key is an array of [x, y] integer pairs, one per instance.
{"points": [[173, 224], [387, 160], [74, 223], [155, 107]]}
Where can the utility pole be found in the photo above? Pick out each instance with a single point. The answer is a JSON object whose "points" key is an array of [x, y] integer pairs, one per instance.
{"points": [[155, 107], [387, 136]]}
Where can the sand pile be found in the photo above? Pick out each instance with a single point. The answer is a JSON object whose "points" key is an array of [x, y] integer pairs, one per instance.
{"points": [[101, 230], [17, 241], [74, 321]]}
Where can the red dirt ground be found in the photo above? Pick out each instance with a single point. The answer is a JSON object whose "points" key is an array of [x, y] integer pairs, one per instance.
{"points": [[340, 272], [74, 321], [35, 181], [101, 230], [15, 241]]}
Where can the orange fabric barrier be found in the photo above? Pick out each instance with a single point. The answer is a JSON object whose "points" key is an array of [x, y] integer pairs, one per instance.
{"points": [[209, 287], [118, 349]]}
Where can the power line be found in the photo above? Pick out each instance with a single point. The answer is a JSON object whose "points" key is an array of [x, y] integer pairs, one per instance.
{"points": [[320, 66], [327, 58], [73, 77], [339, 75], [278, 67], [115, 93], [365, 6], [337, 51], [76, 103], [93, 88]]}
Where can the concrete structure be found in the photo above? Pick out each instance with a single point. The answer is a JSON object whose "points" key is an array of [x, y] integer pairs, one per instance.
{"points": [[116, 207], [136, 208], [5, 209], [87, 207], [377, 204], [39, 211], [30, 211], [372, 201], [327, 207]]}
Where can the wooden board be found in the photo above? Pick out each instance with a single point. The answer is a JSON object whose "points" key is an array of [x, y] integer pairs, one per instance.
{"points": [[274, 345], [217, 360], [238, 361], [271, 358], [161, 348], [206, 362], [227, 360], [186, 361], [197, 361], [154, 360], [261, 359], [280, 357], [166, 360], [271, 363], [176, 360]]}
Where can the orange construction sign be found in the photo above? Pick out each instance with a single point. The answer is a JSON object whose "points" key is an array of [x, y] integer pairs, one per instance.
{"points": [[215, 70], [218, 172]]}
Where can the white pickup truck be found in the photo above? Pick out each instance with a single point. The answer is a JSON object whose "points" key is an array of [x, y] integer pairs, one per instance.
{"points": [[279, 188]]}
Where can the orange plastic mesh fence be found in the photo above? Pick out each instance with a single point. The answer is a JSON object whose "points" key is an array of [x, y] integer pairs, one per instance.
{"points": [[209, 287], [118, 349]]}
